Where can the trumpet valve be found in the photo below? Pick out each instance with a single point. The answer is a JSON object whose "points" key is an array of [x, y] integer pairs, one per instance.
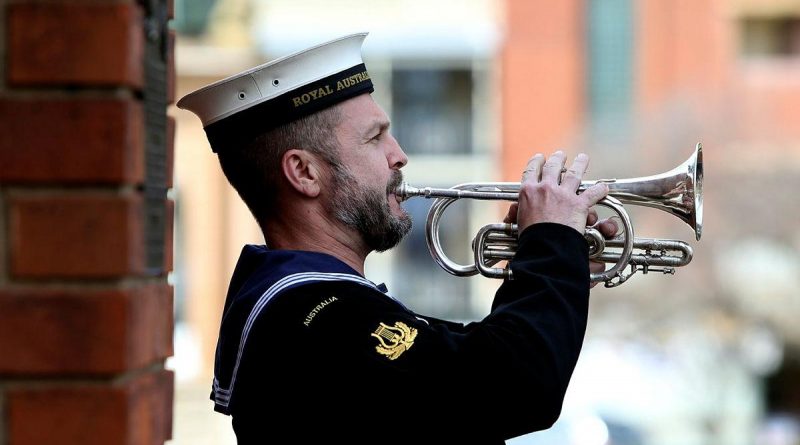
{"points": [[596, 242]]}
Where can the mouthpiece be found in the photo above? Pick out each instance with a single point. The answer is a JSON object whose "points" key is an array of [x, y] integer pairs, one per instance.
{"points": [[405, 191]]}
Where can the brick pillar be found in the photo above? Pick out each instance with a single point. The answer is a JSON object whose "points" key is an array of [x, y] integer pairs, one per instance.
{"points": [[85, 222]]}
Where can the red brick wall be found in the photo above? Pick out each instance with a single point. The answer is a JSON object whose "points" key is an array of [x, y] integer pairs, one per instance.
{"points": [[85, 323], [688, 76], [542, 79]]}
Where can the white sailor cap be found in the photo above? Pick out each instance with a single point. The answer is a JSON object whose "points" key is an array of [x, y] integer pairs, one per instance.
{"points": [[241, 107]]}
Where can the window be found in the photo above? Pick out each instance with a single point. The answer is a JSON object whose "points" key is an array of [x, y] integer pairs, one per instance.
{"points": [[432, 110], [770, 36], [432, 116], [610, 34], [191, 16]]}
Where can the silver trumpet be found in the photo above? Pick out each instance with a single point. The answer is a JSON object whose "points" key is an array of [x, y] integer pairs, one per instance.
{"points": [[678, 192]]}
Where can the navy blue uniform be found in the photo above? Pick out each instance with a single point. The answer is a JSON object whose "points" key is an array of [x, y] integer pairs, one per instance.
{"points": [[311, 352]]}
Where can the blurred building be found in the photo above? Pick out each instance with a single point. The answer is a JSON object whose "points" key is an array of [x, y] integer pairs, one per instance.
{"points": [[706, 356], [474, 88]]}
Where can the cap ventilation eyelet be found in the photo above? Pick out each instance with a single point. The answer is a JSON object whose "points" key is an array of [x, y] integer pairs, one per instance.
{"points": [[242, 95], [276, 82]]}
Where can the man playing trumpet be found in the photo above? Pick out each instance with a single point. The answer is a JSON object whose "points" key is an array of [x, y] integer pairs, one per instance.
{"points": [[311, 350]]}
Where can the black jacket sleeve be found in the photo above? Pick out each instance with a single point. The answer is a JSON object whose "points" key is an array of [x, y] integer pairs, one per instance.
{"points": [[498, 378]]}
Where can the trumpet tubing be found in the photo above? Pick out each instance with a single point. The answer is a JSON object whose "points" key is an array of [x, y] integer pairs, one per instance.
{"points": [[677, 192], [654, 252]]}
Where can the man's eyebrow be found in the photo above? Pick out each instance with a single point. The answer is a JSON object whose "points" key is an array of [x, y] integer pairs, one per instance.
{"points": [[381, 125]]}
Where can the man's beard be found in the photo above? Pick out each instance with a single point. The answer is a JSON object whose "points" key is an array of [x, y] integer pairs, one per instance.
{"points": [[367, 210]]}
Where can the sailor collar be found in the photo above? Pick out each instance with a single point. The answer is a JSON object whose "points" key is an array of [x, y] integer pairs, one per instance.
{"points": [[262, 274]]}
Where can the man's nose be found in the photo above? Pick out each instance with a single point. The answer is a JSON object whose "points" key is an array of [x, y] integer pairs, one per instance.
{"points": [[396, 156]]}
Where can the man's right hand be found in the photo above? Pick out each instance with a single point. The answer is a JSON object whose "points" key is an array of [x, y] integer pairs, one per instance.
{"points": [[547, 197]]}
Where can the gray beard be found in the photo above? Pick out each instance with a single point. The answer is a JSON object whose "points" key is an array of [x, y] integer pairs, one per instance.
{"points": [[367, 210]]}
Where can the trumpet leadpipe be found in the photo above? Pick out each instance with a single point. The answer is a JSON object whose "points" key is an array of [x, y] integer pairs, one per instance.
{"points": [[486, 193]]}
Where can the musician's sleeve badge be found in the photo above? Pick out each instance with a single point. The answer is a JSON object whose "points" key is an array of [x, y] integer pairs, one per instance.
{"points": [[393, 341]]}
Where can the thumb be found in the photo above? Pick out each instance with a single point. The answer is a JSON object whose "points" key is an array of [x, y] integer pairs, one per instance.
{"points": [[511, 216]]}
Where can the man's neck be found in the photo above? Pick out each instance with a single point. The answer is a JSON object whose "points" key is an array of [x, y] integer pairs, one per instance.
{"points": [[317, 233]]}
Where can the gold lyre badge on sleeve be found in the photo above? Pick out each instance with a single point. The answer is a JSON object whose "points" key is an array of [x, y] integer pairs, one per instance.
{"points": [[394, 340]]}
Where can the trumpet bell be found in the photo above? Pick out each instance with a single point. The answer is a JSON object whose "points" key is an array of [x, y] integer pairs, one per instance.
{"points": [[678, 192]]}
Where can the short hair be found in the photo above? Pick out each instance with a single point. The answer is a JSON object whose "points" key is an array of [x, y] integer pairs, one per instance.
{"points": [[255, 168]]}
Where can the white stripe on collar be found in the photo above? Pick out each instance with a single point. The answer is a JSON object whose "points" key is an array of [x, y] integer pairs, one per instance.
{"points": [[222, 395]]}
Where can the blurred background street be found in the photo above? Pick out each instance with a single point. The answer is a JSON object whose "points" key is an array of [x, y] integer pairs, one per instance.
{"points": [[710, 356]]}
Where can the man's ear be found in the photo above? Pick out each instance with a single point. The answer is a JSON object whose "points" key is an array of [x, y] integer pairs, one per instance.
{"points": [[302, 171]]}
